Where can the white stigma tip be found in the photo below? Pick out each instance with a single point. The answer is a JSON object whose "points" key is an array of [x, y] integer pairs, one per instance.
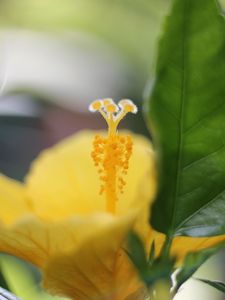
{"points": [[107, 101], [95, 105], [111, 111], [128, 106]]}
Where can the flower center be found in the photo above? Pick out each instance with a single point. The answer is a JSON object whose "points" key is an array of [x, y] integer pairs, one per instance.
{"points": [[111, 154]]}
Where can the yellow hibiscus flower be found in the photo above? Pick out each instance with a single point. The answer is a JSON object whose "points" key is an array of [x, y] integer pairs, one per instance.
{"points": [[59, 221]]}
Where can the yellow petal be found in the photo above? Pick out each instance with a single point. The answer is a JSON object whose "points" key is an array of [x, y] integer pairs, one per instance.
{"points": [[37, 241], [98, 270], [63, 180], [13, 201], [182, 245]]}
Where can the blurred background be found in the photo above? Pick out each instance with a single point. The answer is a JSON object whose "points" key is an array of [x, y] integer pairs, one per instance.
{"points": [[55, 58], [58, 56]]}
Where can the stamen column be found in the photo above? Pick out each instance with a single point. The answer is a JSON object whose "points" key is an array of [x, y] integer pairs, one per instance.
{"points": [[111, 154]]}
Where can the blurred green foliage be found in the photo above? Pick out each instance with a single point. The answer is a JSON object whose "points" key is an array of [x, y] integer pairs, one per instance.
{"points": [[132, 26], [23, 279]]}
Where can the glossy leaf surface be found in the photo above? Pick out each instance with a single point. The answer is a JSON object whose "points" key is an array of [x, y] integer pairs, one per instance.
{"points": [[187, 113]]}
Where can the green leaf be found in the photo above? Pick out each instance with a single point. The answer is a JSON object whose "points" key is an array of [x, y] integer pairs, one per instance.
{"points": [[152, 269], [187, 117], [216, 284], [136, 251], [193, 261], [151, 256], [21, 280], [160, 270]]}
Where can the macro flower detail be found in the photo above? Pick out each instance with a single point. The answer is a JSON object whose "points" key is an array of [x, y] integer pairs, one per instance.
{"points": [[58, 220], [111, 154]]}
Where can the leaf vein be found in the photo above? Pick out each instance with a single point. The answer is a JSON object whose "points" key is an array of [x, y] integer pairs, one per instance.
{"points": [[199, 122], [203, 158], [199, 210]]}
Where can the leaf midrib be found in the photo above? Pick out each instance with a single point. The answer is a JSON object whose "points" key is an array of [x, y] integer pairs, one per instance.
{"points": [[181, 127]]}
